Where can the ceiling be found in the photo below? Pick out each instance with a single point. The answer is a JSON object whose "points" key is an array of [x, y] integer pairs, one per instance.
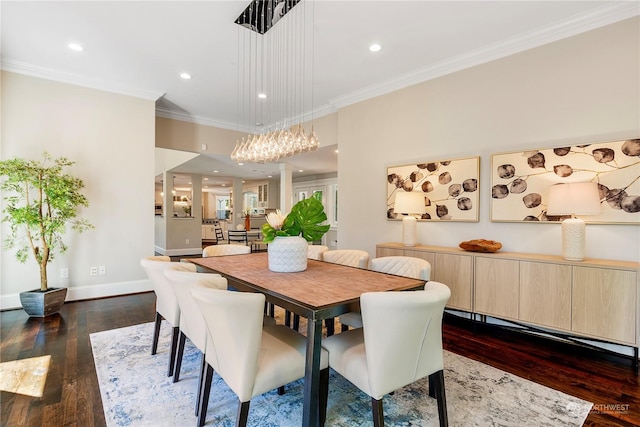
{"points": [[140, 48]]}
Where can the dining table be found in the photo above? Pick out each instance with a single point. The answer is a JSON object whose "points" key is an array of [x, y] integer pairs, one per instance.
{"points": [[322, 291]]}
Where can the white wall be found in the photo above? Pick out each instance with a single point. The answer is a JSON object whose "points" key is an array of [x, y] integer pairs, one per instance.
{"points": [[579, 90], [109, 136]]}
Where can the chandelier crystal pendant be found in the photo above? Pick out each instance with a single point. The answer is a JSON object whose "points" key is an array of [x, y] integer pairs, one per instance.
{"points": [[275, 80]]}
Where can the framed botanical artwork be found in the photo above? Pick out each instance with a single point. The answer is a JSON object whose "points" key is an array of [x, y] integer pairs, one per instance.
{"points": [[520, 181], [450, 188]]}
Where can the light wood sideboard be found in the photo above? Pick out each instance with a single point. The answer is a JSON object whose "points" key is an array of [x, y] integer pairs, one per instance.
{"points": [[594, 299]]}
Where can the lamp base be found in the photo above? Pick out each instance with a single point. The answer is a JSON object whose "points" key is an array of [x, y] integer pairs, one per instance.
{"points": [[573, 239], [409, 230]]}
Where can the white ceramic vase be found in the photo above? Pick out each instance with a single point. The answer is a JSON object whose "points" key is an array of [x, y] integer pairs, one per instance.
{"points": [[288, 254]]}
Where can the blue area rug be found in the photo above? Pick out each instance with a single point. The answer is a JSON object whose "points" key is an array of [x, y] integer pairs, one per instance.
{"points": [[136, 392]]}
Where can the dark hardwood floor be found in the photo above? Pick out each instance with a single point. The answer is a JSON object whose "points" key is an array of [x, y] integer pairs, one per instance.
{"points": [[72, 396]]}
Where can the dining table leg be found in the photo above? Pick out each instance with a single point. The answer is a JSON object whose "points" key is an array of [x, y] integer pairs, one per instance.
{"points": [[311, 408]]}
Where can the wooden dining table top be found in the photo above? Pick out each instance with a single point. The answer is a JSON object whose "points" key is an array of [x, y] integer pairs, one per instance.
{"points": [[321, 285]]}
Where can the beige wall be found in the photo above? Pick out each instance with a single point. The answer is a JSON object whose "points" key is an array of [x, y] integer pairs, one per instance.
{"points": [[579, 90], [109, 136], [185, 136]]}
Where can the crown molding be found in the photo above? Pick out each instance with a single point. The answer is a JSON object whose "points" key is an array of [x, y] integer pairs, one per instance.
{"points": [[199, 120], [610, 14], [77, 80]]}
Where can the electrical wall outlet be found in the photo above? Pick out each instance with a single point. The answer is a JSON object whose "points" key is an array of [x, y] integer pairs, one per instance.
{"points": [[102, 270], [93, 271], [187, 241], [64, 273]]}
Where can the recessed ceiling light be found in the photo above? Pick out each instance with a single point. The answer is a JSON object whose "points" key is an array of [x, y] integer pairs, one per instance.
{"points": [[75, 46], [262, 95], [269, 176], [375, 47], [336, 151], [224, 185], [215, 171], [185, 76], [240, 164], [300, 170], [206, 179]]}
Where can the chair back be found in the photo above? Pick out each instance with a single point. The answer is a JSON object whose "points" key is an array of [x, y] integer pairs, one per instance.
{"points": [[405, 344], [406, 266], [234, 327], [166, 301], [316, 251], [237, 236], [348, 257], [225, 249], [191, 321], [219, 234]]}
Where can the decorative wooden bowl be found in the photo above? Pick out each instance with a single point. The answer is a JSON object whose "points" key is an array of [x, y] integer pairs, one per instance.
{"points": [[481, 245]]}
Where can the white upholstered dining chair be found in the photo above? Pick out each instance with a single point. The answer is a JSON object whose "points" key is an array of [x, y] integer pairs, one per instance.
{"points": [[192, 323], [251, 358], [225, 249], [349, 257], [397, 349], [167, 307], [406, 266], [233, 249], [316, 251]]}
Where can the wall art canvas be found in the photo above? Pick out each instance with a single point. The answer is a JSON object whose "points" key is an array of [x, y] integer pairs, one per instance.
{"points": [[520, 181], [450, 188]]}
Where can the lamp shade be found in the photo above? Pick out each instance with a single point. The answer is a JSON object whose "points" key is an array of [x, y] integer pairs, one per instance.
{"points": [[409, 202], [579, 198], [576, 198]]}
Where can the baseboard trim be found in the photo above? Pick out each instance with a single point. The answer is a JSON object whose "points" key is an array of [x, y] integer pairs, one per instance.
{"points": [[12, 301]]}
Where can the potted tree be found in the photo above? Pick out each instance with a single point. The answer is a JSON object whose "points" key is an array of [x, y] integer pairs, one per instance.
{"points": [[41, 200]]}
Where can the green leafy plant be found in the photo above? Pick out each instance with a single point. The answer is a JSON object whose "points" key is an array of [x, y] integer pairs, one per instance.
{"points": [[40, 201], [304, 220]]}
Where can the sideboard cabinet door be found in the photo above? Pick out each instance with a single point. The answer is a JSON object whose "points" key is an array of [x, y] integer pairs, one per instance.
{"points": [[604, 303], [497, 287], [455, 271], [545, 294]]}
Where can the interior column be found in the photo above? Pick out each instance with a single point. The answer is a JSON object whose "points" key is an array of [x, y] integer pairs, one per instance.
{"points": [[286, 188]]}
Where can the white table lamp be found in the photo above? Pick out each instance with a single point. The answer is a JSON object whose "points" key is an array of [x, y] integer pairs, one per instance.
{"points": [[409, 203], [578, 198]]}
